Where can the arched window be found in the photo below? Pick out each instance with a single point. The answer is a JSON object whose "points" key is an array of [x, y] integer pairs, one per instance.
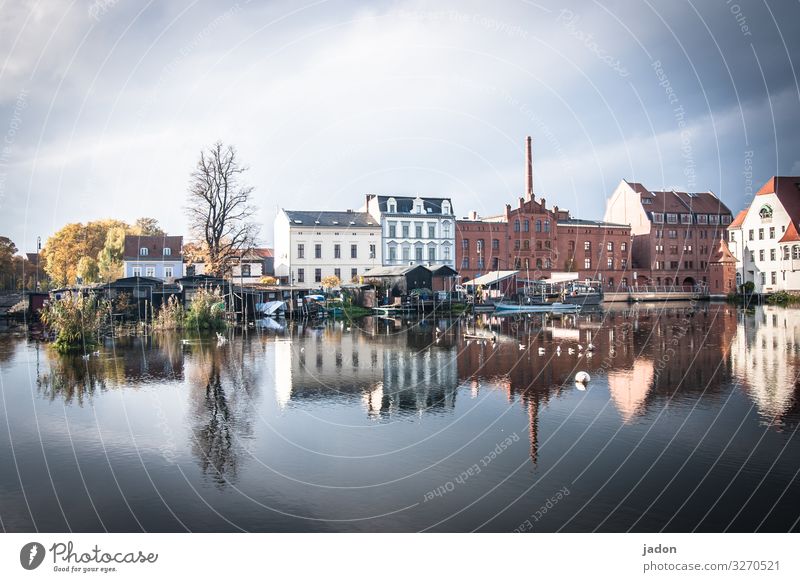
{"points": [[445, 207], [526, 244], [547, 226], [391, 205], [167, 251], [538, 263], [766, 211], [143, 252], [527, 225], [538, 225], [516, 225]]}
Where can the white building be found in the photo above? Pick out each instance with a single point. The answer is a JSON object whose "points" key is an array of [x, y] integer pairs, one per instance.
{"points": [[764, 237], [310, 246], [416, 230], [250, 267], [157, 257]]}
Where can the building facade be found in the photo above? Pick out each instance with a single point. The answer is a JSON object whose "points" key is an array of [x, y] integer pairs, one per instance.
{"points": [[157, 257], [674, 234], [310, 246], [764, 237], [250, 267], [415, 230]]}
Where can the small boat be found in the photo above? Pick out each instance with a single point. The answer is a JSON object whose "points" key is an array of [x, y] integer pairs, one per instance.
{"points": [[538, 308]]}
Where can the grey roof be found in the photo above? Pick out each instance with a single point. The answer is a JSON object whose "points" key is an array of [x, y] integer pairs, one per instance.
{"points": [[405, 204], [392, 271], [346, 219], [585, 222]]}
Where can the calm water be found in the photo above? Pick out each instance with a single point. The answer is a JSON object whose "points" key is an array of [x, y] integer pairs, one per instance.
{"points": [[689, 423]]}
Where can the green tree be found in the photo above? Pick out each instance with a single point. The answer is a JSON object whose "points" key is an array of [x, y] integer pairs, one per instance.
{"points": [[87, 270], [7, 264], [109, 259], [146, 226]]}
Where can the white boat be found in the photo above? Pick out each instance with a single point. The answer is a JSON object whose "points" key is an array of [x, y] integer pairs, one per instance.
{"points": [[271, 308], [538, 308]]}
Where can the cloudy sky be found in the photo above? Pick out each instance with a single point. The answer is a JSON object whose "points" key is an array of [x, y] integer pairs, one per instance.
{"points": [[105, 104]]}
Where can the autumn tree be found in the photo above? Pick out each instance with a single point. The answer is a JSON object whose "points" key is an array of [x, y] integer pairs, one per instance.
{"points": [[219, 208], [109, 259], [331, 282], [146, 226], [8, 264], [87, 270], [70, 244]]}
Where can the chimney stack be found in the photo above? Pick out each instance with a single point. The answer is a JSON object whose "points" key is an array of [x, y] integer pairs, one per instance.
{"points": [[528, 169]]}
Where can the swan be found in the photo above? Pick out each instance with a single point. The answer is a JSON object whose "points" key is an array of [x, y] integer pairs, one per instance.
{"points": [[582, 377]]}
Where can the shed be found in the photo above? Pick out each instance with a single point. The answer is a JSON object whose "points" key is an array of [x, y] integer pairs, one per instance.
{"points": [[444, 278], [399, 281]]}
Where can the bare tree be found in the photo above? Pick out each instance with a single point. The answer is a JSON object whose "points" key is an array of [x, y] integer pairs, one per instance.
{"points": [[220, 209]]}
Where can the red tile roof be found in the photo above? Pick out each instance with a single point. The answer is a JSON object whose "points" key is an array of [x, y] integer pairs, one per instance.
{"points": [[722, 254], [155, 247], [737, 222], [791, 234], [787, 190]]}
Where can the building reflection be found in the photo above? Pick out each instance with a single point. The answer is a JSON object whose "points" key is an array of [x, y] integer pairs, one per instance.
{"points": [[388, 367], [765, 359]]}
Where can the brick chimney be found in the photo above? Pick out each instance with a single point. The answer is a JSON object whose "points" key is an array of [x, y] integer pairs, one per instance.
{"points": [[528, 169]]}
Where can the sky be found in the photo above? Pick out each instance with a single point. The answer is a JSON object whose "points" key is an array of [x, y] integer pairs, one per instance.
{"points": [[105, 105]]}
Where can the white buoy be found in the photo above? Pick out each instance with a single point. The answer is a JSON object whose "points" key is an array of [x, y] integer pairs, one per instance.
{"points": [[582, 377]]}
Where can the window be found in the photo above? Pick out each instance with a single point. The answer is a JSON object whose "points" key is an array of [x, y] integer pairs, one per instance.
{"points": [[731, 236], [673, 264], [647, 200], [538, 245], [760, 234], [465, 244], [431, 231], [765, 212], [786, 253], [479, 245], [495, 244], [301, 275], [168, 272], [516, 245], [702, 219], [538, 263], [446, 229], [480, 262], [610, 263], [392, 254], [245, 270], [418, 253], [353, 251], [610, 247], [763, 278], [516, 225], [796, 252], [772, 254], [761, 255], [337, 251], [659, 249], [317, 275], [190, 270], [392, 230], [774, 277], [418, 230], [527, 225], [547, 226], [726, 219], [686, 219], [659, 233], [547, 244], [750, 234], [623, 246], [317, 251], [150, 271], [405, 231], [419, 209], [406, 254], [672, 234], [137, 271], [337, 273], [658, 217], [771, 232], [587, 246], [392, 206], [713, 219], [526, 244], [465, 262], [301, 251], [353, 273], [446, 253], [167, 251], [143, 252], [372, 250], [587, 263], [623, 264], [672, 218], [687, 248], [432, 254], [673, 249], [538, 225]]}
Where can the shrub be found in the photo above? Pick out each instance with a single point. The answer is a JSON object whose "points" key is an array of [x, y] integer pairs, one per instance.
{"points": [[170, 315], [207, 311], [77, 321]]}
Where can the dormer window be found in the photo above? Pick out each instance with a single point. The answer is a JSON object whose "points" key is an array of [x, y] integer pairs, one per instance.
{"points": [[391, 206], [419, 208], [445, 207], [167, 251], [143, 252]]}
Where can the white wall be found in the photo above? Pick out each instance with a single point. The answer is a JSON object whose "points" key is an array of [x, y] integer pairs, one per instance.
{"points": [[625, 207]]}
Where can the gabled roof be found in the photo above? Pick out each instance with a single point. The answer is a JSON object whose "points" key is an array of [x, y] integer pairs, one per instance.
{"points": [[405, 204], [787, 190], [595, 223], [155, 246], [791, 234], [673, 201], [346, 219], [739, 220]]}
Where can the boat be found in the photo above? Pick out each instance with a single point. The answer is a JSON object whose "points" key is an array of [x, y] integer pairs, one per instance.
{"points": [[590, 293], [537, 308], [271, 308]]}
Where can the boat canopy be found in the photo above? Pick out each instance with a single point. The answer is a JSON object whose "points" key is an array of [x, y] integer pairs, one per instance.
{"points": [[491, 278], [559, 277]]}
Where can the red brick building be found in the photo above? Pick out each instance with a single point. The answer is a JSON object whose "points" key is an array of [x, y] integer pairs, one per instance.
{"points": [[538, 241], [675, 234]]}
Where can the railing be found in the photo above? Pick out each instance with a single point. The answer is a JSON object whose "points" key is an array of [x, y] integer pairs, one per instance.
{"points": [[699, 289]]}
